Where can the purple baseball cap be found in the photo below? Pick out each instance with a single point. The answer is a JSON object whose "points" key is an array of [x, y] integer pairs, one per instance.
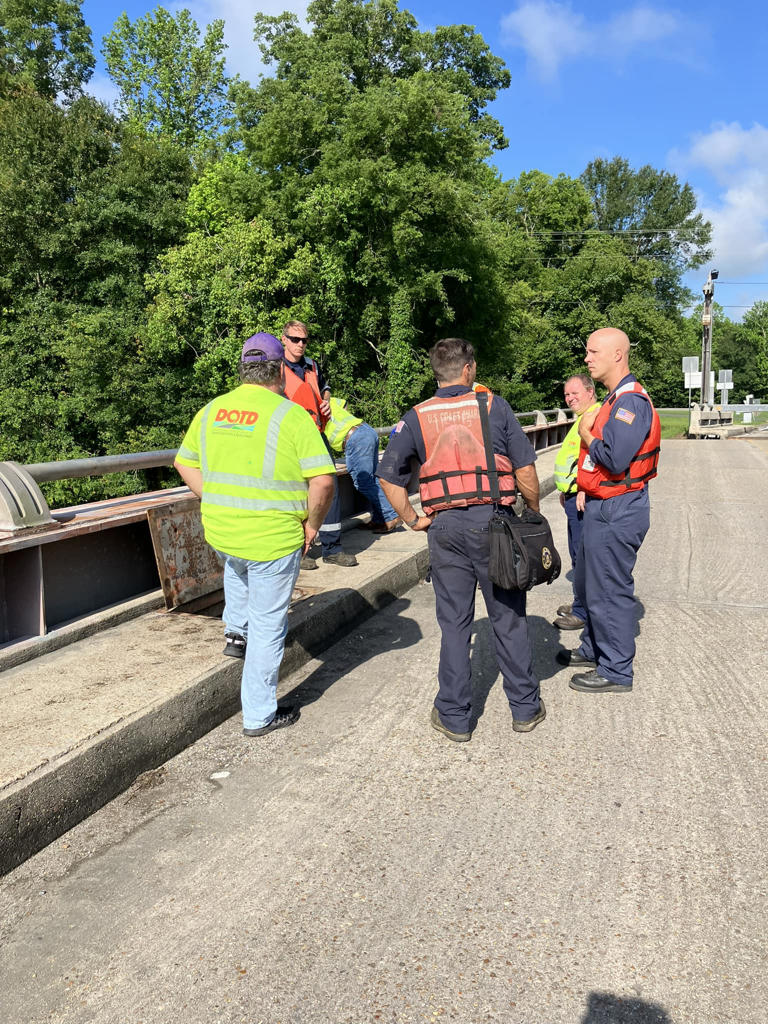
{"points": [[261, 347]]}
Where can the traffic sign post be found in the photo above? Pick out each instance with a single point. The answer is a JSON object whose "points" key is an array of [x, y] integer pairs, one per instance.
{"points": [[690, 369]]}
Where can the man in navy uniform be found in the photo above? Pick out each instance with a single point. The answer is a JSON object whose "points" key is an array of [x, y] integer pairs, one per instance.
{"points": [[445, 435], [619, 454]]}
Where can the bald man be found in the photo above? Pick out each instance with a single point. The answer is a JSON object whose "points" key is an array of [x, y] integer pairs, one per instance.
{"points": [[618, 456]]}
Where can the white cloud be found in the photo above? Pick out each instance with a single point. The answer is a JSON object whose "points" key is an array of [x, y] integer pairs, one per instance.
{"points": [[549, 33], [243, 56], [736, 159], [103, 88], [552, 33]]}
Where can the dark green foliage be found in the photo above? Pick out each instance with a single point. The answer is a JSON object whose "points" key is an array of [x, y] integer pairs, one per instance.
{"points": [[351, 189], [45, 46]]}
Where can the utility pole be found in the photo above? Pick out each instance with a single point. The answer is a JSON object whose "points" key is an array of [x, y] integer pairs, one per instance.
{"points": [[707, 398]]}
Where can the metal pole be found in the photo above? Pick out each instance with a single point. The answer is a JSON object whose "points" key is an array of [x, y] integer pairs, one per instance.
{"points": [[707, 398]]}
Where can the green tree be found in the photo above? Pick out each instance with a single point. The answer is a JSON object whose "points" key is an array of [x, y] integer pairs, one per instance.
{"points": [[45, 44], [367, 149], [745, 350], [168, 80], [655, 215], [74, 250]]}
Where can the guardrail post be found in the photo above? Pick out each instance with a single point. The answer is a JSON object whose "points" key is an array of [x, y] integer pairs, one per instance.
{"points": [[22, 505]]}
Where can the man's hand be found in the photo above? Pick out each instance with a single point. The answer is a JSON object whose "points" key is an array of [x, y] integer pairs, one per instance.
{"points": [[398, 498], [325, 403], [581, 501], [586, 423], [422, 523], [310, 532]]}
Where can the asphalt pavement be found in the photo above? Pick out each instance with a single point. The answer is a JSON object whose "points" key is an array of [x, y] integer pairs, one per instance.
{"points": [[607, 868]]}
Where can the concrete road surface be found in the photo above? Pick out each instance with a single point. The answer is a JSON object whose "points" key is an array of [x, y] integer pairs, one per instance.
{"points": [[608, 868]]}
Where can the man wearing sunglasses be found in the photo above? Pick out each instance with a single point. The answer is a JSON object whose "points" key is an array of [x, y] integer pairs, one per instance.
{"points": [[306, 386]]}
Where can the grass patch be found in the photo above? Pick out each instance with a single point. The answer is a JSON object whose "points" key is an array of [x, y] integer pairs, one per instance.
{"points": [[675, 424]]}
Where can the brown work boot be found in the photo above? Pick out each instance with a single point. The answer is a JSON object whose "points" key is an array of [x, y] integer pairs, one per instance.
{"points": [[340, 558], [530, 724], [457, 737], [388, 527]]}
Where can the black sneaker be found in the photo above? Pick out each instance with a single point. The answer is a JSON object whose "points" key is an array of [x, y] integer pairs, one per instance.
{"points": [[283, 717], [235, 645]]}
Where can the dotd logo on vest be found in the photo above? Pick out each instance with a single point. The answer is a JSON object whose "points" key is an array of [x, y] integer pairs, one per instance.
{"points": [[235, 419]]}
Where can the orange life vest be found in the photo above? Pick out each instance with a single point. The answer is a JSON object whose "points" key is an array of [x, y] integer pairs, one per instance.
{"points": [[595, 479], [455, 473], [306, 393]]}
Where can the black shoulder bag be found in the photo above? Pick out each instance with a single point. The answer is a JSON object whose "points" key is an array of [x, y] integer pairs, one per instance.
{"points": [[522, 552]]}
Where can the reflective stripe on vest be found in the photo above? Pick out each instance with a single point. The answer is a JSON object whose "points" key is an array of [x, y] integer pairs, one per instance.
{"points": [[244, 491], [595, 479], [306, 393], [567, 459], [455, 471], [340, 423]]}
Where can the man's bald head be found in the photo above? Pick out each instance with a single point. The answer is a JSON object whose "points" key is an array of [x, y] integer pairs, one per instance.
{"points": [[608, 355]]}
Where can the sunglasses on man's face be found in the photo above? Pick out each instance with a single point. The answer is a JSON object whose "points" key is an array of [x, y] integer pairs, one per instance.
{"points": [[295, 340]]}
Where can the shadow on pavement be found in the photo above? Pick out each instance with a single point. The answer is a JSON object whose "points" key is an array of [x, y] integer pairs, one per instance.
{"points": [[604, 1008], [390, 630], [485, 669]]}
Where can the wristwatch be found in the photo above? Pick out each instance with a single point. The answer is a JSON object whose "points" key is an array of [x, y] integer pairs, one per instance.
{"points": [[412, 522]]}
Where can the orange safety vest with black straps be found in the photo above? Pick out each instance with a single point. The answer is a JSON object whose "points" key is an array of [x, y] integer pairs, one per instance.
{"points": [[455, 473], [306, 393], [595, 479]]}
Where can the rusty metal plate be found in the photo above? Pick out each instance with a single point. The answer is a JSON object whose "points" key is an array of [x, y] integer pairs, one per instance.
{"points": [[187, 565]]}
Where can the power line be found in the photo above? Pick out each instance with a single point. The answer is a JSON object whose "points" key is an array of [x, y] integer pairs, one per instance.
{"points": [[585, 232]]}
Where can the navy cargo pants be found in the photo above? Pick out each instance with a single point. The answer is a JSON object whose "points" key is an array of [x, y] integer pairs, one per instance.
{"points": [[458, 550], [614, 529]]}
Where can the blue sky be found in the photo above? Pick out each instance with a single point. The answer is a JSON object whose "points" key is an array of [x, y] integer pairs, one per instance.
{"points": [[682, 87]]}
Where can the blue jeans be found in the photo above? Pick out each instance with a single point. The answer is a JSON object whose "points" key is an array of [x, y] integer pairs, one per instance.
{"points": [[329, 533], [361, 454], [257, 595]]}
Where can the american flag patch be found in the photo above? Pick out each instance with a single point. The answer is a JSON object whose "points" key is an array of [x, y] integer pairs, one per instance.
{"points": [[398, 427], [625, 416]]}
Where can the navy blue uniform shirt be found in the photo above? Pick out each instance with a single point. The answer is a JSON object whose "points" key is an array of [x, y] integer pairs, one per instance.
{"points": [[306, 364], [624, 431], [506, 435]]}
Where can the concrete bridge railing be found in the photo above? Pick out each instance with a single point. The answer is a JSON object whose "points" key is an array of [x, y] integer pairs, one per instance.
{"points": [[58, 565]]}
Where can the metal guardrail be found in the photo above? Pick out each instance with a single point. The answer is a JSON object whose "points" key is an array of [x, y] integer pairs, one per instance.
{"points": [[549, 427], [101, 465], [61, 566]]}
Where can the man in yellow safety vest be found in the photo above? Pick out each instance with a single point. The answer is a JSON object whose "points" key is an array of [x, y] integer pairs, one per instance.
{"points": [[358, 443], [265, 481], [579, 396]]}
